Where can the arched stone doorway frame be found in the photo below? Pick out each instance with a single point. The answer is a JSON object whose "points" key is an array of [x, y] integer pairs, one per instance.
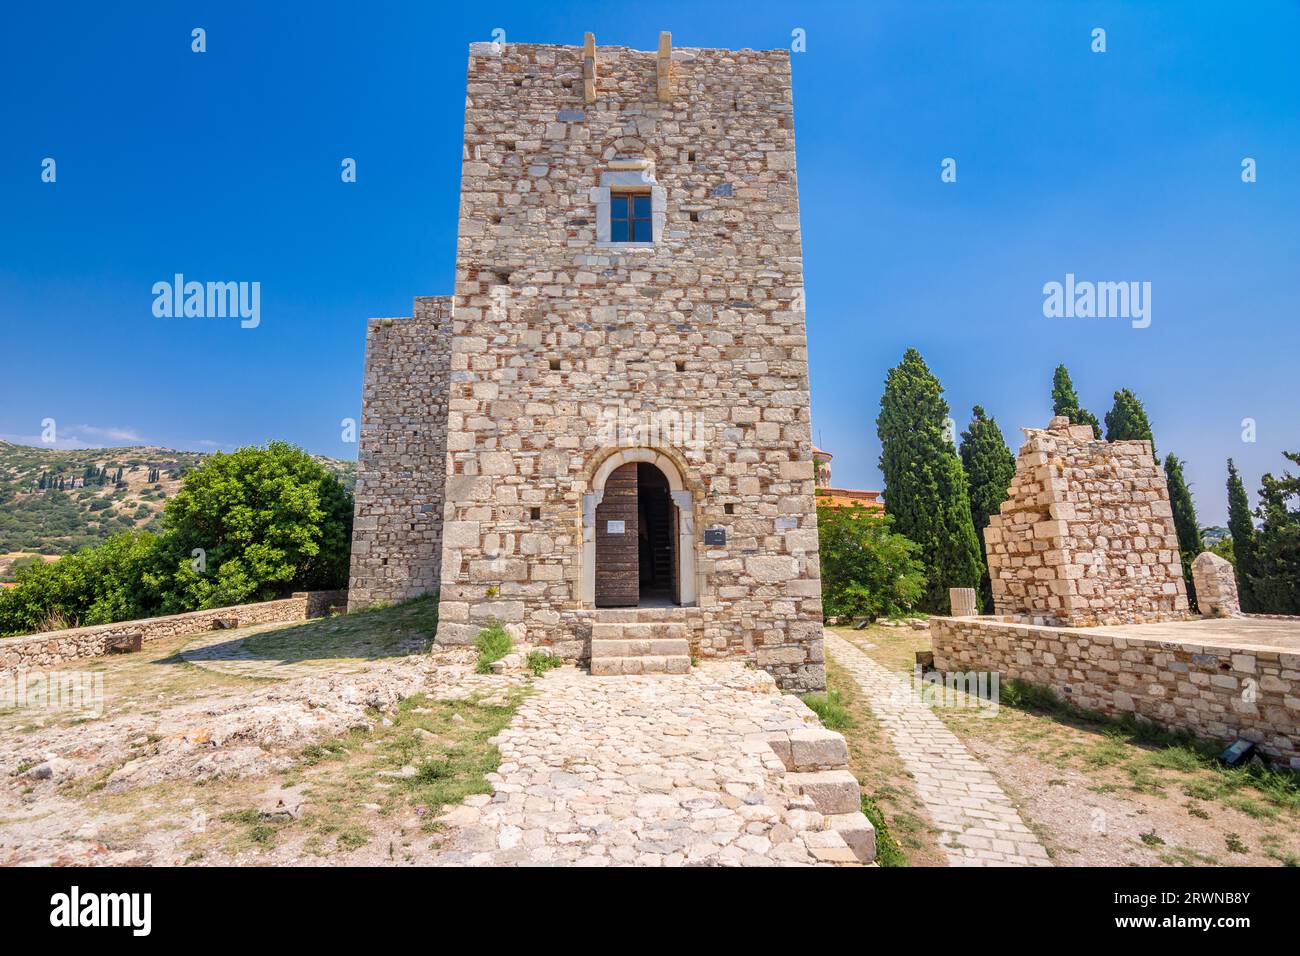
{"points": [[682, 498]]}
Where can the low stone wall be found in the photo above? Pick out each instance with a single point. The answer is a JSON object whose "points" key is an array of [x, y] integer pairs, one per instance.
{"points": [[54, 647], [1216, 692]]}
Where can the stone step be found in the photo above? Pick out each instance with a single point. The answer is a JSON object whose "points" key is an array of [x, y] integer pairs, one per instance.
{"points": [[645, 615], [601, 631], [811, 748], [659, 647], [648, 664], [832, 791], [857, 832]]}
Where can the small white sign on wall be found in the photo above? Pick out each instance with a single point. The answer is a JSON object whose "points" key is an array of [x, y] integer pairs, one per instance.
{"points": [[614, 527]]}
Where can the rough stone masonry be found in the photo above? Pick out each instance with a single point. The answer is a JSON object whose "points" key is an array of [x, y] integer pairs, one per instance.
{"points": [[1086, 535], [628, 296]]}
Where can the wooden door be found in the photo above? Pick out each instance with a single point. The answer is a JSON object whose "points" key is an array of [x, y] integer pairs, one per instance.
{"points": [[618, 575]]}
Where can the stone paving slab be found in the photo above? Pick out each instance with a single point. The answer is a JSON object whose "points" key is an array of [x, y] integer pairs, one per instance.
{"points": [[663, 770], [978, 823]]}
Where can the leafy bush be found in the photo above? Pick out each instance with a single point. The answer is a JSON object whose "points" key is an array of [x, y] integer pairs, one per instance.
{"points": [[269, 521], [867, 569], [493, 643], [97, 585]]}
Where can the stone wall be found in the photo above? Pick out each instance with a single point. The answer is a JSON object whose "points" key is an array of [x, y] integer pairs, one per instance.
{"points": [[402, 458], [1219, 693], [1086, 535], [54, 647], [695, 340]]}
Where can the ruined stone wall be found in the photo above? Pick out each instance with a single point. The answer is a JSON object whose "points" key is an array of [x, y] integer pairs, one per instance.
{"points": [[698, 338], [1215, 692], [402, 457], [54, 647], [1086, 535]]}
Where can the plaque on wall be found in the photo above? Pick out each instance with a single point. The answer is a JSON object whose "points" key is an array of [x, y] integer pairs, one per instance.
{"points": [[614, 527], [715, 537]]}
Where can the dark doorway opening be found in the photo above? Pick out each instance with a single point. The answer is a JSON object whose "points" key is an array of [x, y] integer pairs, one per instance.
{"points": [[655, 548]]}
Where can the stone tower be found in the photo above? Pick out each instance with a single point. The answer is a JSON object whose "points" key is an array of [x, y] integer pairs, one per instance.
{"points": [[627, 429]]}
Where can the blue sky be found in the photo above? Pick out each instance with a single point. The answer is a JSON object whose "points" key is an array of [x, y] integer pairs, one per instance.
{"points": [[1115, 166]]}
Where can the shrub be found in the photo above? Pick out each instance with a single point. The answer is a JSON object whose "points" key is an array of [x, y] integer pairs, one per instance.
{"points": [[540, 663], [97, 585], [493, 643], [867, 570], [270, 521]]}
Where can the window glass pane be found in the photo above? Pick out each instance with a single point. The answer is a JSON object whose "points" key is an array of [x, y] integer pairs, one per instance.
{"points": [[618, 207], [641, 230], [641, 206]]}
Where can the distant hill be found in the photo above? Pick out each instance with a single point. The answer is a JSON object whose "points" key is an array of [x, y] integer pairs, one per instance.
{"points": [[54, 501]]}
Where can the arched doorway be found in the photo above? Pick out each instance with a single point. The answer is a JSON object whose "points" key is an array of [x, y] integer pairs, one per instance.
{"points": [[638, 534]]}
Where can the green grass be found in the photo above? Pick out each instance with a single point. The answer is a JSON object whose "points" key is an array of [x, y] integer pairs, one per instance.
{"points": [[888, 852], [451, 757], [381, 630], [540, 663], [830, 708], [493, 643], [1139, 747]]}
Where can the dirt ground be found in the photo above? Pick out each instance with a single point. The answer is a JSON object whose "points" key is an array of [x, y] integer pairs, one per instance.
{"points": [[330, 742], [1094, 794]]}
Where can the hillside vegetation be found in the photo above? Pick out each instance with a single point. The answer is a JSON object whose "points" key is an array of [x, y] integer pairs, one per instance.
{"points": [[56, 501]]}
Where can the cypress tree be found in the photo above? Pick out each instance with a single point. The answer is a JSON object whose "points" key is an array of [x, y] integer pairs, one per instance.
{"points": [[925, 487], [989, 467], [1277, 545], [1185, 525], [1066, 402], [1127, 420], [1242, 529]]}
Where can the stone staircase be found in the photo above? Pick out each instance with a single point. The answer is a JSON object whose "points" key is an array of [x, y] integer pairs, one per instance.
{"points": [[639, 641]]}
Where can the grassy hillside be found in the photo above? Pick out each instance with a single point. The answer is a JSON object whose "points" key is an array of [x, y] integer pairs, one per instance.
{"points": [[93, 502]]}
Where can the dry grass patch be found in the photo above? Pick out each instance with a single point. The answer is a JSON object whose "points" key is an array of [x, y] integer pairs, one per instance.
{"points": [[1101, 792]]}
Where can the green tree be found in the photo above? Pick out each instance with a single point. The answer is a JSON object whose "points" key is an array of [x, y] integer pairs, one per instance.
{"points": [[1066, 402], [1242, 529], [867, 570], [1127, 420], [1185, 524], [266, 521], [1276, 584], [925, 487], [989, 467]]}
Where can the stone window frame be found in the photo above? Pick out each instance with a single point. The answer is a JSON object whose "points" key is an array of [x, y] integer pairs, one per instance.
{"points": [[634, 176]]}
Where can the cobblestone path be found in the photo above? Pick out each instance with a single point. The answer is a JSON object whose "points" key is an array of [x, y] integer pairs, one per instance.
{"points": [[978, 822], [660, 770]]}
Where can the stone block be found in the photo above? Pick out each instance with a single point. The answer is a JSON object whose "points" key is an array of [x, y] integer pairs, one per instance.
{"points": [[832, 791]]}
